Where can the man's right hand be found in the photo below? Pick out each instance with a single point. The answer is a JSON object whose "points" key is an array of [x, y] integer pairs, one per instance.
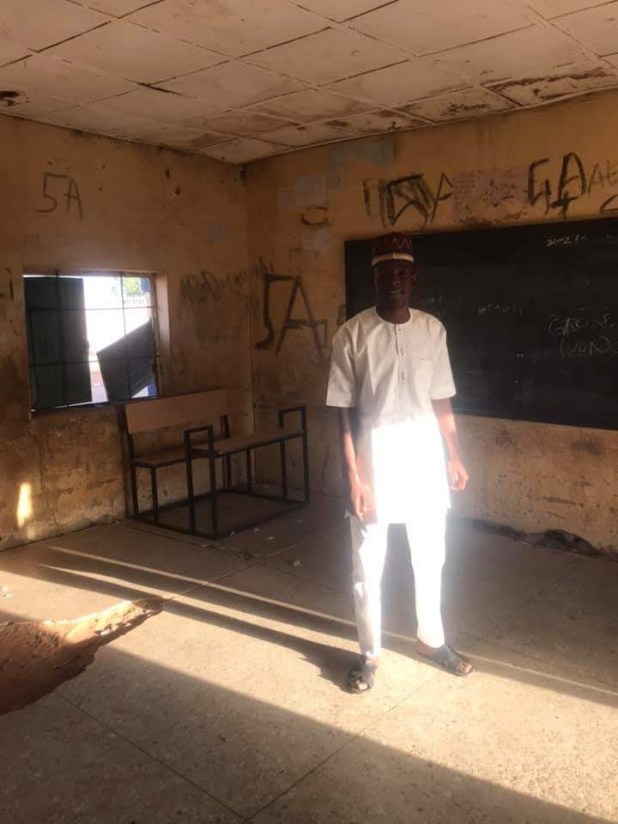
{"points": [[361, 501]]}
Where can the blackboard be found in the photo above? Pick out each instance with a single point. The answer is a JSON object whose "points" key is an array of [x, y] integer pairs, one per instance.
{"points": [[531, 314]]}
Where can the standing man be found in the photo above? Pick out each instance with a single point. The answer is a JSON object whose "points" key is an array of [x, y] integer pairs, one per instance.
{"points": [[391, 378]]}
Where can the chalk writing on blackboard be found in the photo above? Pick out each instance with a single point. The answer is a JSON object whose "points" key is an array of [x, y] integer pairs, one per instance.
{"points": [[565, 240], [499, 309], [578, 348], [560, 326]]}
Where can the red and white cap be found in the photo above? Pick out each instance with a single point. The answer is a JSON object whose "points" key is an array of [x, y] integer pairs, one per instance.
{"points": [[394, 246]]}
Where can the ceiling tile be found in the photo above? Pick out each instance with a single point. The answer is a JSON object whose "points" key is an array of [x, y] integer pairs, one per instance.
{"points": [[229, 26], [242, 150], [595, 28], [533, 51], [166, 107], [468, 103], [97, 119], [400, 84], [135, 53], [245, 124], [311, 105], [534, 91], [41, 23], [58, 78], [423, 27], [34, 105], [194, 140], [385, 120], [117, 8], [613, 59], [552, 8], [306, 135], [328, 55], [10, 52], [340, 9], [233, 84]]}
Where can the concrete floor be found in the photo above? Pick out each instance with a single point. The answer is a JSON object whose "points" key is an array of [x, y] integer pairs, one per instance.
{"points": [[228, 705]]}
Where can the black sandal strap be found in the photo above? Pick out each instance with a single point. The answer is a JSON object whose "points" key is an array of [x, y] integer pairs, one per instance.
{"points": [[361, 672], [449, 659]]}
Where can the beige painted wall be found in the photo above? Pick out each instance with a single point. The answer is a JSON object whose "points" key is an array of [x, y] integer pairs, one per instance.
{"points": [[303, 206], [180, 216], [185, 218]]}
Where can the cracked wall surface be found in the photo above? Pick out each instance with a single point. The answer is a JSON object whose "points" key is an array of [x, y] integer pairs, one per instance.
{"points": [[142, 209]]}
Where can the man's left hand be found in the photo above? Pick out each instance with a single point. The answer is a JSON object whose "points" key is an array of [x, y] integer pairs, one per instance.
{"points": [[457, 475]]}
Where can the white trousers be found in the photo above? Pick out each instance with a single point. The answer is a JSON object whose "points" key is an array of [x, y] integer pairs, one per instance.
{"points": [[426, 537]]}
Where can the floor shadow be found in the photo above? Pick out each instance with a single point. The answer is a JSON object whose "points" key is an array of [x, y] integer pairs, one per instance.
{"points": [[331, 660], [264, 762]]}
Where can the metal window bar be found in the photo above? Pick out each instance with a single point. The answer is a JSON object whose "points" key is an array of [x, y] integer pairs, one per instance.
{"points": [[151, 305], [61, 341]]}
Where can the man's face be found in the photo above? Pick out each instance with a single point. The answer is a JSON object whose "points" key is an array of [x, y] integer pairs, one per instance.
{"points": [[394, 280]]}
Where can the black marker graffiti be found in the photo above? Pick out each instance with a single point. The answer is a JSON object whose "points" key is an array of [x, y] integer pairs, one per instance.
{"points": [[302, 323], [267, 280], [206, 286], [289, 322], [413, 192], [573, 183], [71, 194]]}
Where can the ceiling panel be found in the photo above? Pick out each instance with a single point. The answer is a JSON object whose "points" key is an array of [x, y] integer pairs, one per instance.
{"points": [[156, 104], [96, 118], [135, 53], [532, 92], [233, 84], [34, 105], [10, 52], [117, 8], [233, 27], [378, 122], [194, 140], [422, 27], [456, 105], [242, 79], [37, 24], [552, 8], [596, 28], [245, 123], [340, 9], [306, 135], [242, 150], [328, 55], [58, 78], [400, 84], [533, 51], [313, 105]]}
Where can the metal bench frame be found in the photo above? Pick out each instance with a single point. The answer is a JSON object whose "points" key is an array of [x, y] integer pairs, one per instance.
{"points": [[212, 450]]}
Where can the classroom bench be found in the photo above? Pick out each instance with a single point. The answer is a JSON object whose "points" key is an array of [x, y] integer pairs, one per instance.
{"points": [[211, 440]]}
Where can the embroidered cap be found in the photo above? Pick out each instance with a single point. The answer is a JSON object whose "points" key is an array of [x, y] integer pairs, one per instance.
{"points": [[394, 246]]}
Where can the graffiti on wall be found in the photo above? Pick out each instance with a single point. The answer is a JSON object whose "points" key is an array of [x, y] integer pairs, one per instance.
{"points": [[207, 286], [57, 187], [296, 292], [416, 201], [413, 196], [573, 182]]}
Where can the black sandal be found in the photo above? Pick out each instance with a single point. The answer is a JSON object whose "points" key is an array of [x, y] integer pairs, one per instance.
{"points": [[449, 659], [361, 675]]}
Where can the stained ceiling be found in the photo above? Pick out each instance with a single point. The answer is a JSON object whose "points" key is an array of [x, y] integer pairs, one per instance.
{"points": [[240, 80]]}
